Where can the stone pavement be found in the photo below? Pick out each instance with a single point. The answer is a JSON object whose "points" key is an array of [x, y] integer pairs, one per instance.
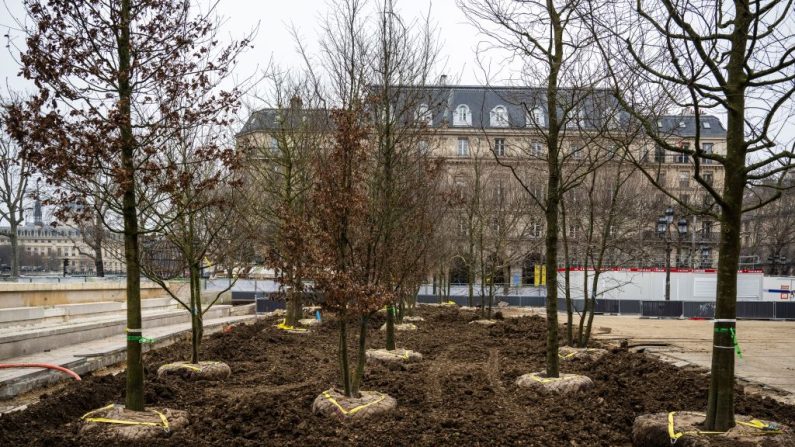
{"points": [[93, 355]]}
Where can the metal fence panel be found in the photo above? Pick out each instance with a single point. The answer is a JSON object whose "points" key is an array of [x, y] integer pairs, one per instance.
{"points": [[672, 309], [630, 307], [699, 309], [756, 309], [785, 310]]}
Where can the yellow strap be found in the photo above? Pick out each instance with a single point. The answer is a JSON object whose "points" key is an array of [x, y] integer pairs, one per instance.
{"points": [[753, 423], [163, 419], [355, 409], [284, 326], [571, 354]]}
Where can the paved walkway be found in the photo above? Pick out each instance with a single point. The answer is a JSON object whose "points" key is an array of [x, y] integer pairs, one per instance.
{"points": [[768, 356]]}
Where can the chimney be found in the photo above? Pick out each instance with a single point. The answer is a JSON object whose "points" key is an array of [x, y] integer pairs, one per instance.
{"points": [[443, 79], [295, 102]]}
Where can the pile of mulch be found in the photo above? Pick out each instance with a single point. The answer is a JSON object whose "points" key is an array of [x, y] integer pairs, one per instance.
{"points": [[461, 394]]}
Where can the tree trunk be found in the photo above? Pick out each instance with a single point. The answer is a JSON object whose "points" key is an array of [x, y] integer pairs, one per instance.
{"points": [[134, 399], [390, 327], [14, 238], [357, 378], [343, 355], [99, 263], [197, 327], [720, 405]]}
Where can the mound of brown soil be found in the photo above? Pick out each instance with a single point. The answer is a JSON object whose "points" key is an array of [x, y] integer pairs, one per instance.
{"points": [[463, 393]]}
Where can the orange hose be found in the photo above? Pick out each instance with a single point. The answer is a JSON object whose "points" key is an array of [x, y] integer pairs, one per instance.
{"points": [[41, 365]]}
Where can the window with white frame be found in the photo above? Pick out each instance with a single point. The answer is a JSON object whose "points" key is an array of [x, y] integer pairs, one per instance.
{"points": [[274, 145], [499, 147], [424, 115], [424, 147], [462, 116], [576, 151], [499, 117], [536, 149], [706, 125], [463, 147], [707, 148], [536, 118]]}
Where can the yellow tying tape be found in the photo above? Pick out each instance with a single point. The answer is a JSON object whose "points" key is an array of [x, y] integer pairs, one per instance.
{"points": [[571, 354], [285, 327], [764, 427], [355, 409], [163, 419]]}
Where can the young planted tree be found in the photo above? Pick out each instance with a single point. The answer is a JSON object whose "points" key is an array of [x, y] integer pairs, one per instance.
{"points": [[278, 181], [106, 112], [14, 174], [732, 58], [340, 220], [189, 217], [400, 64], [566, 111]]}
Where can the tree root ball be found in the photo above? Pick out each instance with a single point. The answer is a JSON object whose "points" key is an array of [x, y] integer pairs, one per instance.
{"points": [[591, 354], [402, 327], [394, 356], [202, 370], [565, 384], [652, 430], [484, 322], [333, 403], [137, 426], [412, 319], [308, 322]]}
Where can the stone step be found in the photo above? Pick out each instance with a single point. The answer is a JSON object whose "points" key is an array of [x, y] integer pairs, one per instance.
{"points": [[96, 354], [38, 316], [15, 342]]}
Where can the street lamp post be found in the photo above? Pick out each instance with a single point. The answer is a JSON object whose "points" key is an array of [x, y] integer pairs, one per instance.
{"points": [[663, 231]]}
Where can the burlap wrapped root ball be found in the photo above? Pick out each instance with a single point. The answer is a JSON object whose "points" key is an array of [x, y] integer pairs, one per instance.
{"points": [[412, 319], [590, 354], [484, 322], [116, 423], [401, 327], [334, 403], [684, 428], [308, 321], [393, 356], [564, 384], [201, 370]]}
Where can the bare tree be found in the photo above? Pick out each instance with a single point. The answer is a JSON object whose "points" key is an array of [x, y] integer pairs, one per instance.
{"points": [[14, 174], [734, 58], [135, 71], [567, 111]]}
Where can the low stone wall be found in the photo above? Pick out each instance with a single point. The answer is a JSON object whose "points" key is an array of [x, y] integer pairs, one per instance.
{"points": [[48, 294]]}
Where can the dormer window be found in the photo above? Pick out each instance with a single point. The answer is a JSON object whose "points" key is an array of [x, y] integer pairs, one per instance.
{"points": [[682, 124], [424, 115], [499, 117], [706, 125], [462, 117], [535, 118]]}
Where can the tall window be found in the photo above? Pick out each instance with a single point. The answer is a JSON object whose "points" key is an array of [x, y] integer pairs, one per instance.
{"points": [[424, 147], [708, 179], [536, 149], [499, 147], [577, 151], [707, 149], [684, 179], [659, 154], [462, 117], [463, 147], [536, 118], [682, 158], [499, 117], [424, 115]]}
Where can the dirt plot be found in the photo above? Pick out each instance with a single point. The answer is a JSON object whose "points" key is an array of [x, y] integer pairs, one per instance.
{"points": [[461, 394]]}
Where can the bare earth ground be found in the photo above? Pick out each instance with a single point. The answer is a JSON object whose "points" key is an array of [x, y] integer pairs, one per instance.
{"points": [[461, 394]]}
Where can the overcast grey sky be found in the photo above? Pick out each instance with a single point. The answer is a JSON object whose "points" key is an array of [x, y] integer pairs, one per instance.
{"points": [[274, 40]]}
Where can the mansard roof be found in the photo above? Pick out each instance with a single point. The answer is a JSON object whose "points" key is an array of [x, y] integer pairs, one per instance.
{"points": [[443, 100]]}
